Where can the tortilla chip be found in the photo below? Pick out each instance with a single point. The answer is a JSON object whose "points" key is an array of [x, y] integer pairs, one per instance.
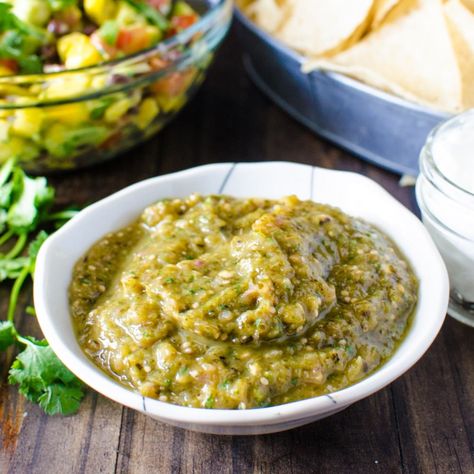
{"points": [[382, 9], [268, 14], [461, 25], [469, 4], [413, 57], [387, 11], [317, 27]]}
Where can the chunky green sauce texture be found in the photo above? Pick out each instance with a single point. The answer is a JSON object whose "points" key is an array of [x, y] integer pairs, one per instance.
{"points": [[218, 302]]}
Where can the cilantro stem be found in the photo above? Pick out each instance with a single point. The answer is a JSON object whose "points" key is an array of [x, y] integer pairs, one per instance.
{"points": [[60, 216], [22, 339], [6, 236], [18, 247], [39, 374], [16, 291]]}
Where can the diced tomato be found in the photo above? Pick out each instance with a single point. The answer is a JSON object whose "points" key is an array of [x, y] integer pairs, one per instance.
{"points": [[173, 84], [71, 16], [163, 6], [10, 64], [181, 22], [108, 51], [157, 63], [131, 40], [111, 141]]}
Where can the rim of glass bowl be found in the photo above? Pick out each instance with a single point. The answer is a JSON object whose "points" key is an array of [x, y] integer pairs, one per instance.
{"points": [[218, 15]]}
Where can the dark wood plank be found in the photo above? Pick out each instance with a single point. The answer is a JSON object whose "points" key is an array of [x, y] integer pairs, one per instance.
{"points": [[424, 422], [433, 430]]}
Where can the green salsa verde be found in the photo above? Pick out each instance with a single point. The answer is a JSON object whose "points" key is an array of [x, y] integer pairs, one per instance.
{"points": [[218, 302]]}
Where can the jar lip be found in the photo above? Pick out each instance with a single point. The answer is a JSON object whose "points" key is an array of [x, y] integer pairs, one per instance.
{"points": [[428, 165]]}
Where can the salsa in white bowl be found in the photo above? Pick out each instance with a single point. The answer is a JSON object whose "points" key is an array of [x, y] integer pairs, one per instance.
{"points": [[354, 194]]}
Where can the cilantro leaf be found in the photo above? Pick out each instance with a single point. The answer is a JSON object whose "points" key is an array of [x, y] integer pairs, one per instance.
{"points": [[35, 245], [109, 32], [33, 195], [8, 20], [20, 40], [6, 194], [7, 335], [5, 171], [6, 187], [76, 137], [98, 112], [24, 202], [3, 219], [153, 16], [42, 378], [57, 5], [11, 268], [60, 399], [30, 64]]}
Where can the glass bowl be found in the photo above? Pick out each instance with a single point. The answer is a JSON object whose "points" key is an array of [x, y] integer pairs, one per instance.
{"points": [[74, 118]]}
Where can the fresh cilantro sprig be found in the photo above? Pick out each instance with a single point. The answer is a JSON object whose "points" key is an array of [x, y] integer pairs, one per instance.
{"points": [[43, 379], [20, 41], [9, 21], [153, 16], [58, 5], [25, 204]]}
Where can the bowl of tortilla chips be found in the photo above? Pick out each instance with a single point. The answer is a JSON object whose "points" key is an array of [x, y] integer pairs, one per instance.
{"points": [[374, 76]]}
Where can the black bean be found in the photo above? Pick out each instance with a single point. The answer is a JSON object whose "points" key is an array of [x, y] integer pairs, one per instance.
{"points": [[118, 79], [58, 27], [49, 54], [89, 28]]}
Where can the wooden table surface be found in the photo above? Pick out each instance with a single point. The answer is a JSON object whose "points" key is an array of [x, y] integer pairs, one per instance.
{"points": [[423, 422]]}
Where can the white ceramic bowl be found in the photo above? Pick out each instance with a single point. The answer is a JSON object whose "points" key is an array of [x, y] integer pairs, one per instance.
{"points": [[353, 193]]}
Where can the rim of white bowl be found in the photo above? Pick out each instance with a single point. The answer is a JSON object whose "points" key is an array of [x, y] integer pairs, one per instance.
{"points": [[404, 357]]}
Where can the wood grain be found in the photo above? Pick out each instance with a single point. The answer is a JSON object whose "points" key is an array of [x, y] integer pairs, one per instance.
{"points": [[422, 423]]}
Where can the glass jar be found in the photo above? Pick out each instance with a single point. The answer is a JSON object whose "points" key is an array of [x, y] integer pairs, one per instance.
{"points": [[445, 194]]}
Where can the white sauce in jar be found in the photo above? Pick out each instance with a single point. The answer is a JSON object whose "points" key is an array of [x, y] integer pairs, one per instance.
{"points": [[445, 193], [453, 153]]}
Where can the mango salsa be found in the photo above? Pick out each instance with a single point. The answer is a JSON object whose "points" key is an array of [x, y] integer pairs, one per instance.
{"points": [[91, 110]]}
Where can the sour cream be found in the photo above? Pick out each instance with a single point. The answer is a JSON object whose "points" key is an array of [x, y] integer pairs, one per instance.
{"points": [[453, 153], [445, 194]]}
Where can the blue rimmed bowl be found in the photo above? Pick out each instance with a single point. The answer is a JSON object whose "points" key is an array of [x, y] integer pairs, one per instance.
{"points": [[376, 126]]}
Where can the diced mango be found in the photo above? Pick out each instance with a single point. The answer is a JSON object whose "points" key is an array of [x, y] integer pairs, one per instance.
{"points": [[146, 113], [5, 71], [54, 139], [76, 50], [182, 8], [36, 12], [127, 15], [62, 140], [67, 85], [72, 114], [98, 82], [4, 129], [27, 122], [4, 113], [136, 38], [16, 147], [100, 10], [117, 110], [170, 104]]}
